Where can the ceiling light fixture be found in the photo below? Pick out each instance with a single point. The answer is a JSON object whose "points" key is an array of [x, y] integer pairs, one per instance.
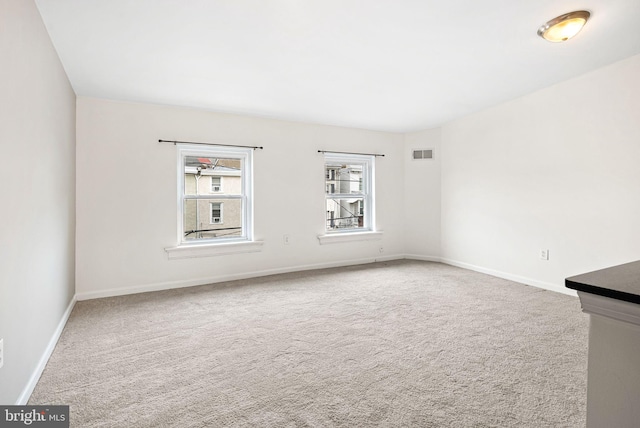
{"points": [[564, 26]]}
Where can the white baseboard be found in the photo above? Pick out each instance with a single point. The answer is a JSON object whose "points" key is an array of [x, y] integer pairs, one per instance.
{"points": [[511, 277], [42, 363], [423, 258], [247, 275], [230, 277]]}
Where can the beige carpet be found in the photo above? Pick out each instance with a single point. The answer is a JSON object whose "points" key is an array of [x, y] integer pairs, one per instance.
{"points": [[392, 344]]}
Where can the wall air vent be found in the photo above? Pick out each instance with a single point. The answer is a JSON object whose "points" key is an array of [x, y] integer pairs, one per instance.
{"points": [[422, 154]]}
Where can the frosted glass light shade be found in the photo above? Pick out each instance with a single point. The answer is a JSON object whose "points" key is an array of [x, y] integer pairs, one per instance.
{"points": [[564, 26]]}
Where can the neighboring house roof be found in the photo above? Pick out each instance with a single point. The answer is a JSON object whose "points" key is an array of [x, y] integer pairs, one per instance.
{"points": [[217, 170]]}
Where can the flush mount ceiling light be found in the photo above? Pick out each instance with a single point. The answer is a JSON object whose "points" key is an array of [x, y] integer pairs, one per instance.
{"points": [[564, 26]]}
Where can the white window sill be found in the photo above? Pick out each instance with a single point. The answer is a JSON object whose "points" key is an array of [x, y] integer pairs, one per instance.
{"points": [[335, 238], [208, 250]]}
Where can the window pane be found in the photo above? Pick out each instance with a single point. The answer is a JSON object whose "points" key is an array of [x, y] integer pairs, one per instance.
{"points": [[345, 213], [344, 179], [204, 175], [212, 218]]}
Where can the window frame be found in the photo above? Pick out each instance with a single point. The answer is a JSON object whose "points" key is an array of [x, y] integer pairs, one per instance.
{"points": [[366, 193], [246, 193]]}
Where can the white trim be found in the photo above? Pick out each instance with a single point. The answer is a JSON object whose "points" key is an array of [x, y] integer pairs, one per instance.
{"points": [[246, 196], [218, 249], [335, 238], [609, 307], [367, 194], [229, 277], [423, 258], [42, 363], [246, 275], [511, 277]]}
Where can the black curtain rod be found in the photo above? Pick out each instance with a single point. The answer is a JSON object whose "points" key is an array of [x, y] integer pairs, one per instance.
{"points": [[210, 144], [349, 153]]}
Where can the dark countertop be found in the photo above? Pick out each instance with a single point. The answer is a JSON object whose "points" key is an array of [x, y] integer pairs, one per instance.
{"points": [[618, 282]]}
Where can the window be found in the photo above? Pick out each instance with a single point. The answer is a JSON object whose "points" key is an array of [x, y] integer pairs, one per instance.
{"points": [[349, 193], [330, 174], [216, 184], [225, 216], [216, 213]]}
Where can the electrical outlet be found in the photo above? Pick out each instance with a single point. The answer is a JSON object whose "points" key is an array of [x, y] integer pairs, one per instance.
{"points": [[381, 249], [544, 254], [1, 353], [285, 238]]}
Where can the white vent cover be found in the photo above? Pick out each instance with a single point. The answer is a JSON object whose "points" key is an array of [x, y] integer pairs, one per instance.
{"points": [[422, 154]]}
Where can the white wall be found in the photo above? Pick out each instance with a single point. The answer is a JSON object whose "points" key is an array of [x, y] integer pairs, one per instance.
{"points": [[558, 169], [422, 196], [127, 193], [37, 173]]}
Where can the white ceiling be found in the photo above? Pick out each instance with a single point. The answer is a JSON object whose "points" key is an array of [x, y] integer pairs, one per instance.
{"points": [[394, 65]]}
